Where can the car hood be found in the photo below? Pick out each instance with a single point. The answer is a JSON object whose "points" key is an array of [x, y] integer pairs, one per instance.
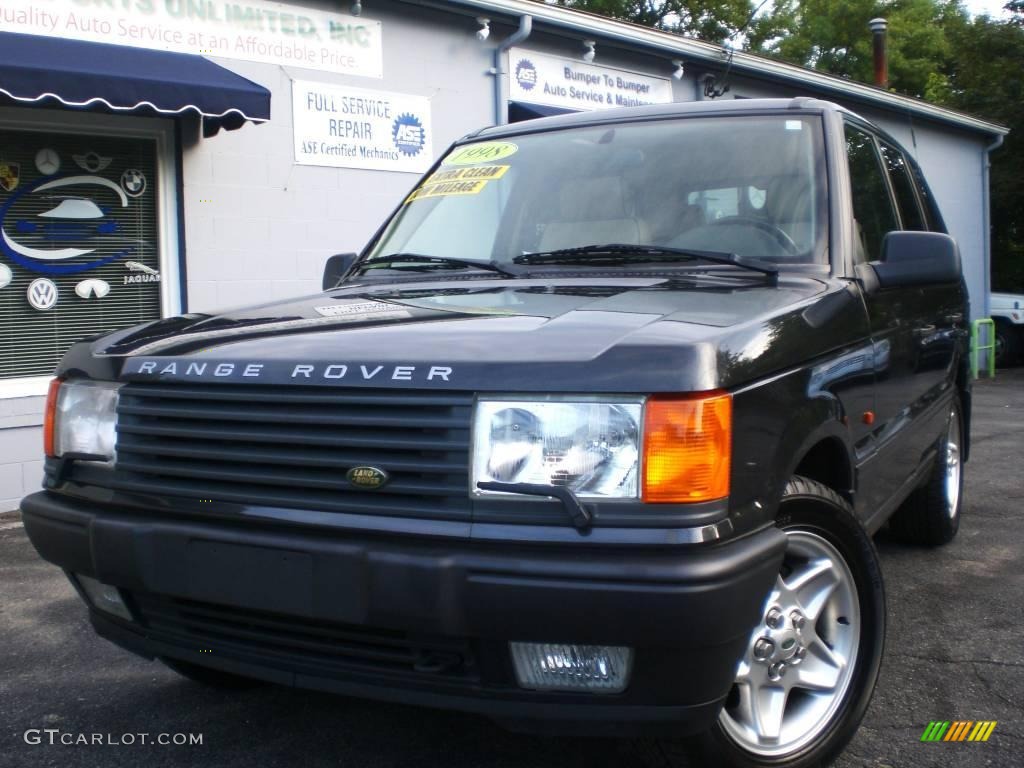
{"points": [[592, 334]]}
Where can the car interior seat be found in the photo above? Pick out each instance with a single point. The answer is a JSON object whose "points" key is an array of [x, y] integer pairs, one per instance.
{"points": [[592, 212]]}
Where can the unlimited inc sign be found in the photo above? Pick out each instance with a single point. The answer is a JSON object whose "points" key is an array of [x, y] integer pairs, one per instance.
{"points": [[553, 81], [251, 30], [344, 127]]}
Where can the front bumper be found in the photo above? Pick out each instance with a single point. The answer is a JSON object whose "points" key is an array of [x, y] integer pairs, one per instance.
{"points": [[417, 620]]}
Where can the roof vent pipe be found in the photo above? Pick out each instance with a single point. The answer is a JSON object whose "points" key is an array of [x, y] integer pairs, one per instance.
{"points": [[878, 33]]}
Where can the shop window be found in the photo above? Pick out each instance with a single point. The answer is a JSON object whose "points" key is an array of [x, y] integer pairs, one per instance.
{"points": [[79, 242]]}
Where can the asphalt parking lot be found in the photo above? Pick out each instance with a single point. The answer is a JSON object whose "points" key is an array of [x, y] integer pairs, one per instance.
{"points": [[955, 651]]}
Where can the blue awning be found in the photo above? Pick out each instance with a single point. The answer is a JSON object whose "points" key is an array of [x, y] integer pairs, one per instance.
{"points": [[116, 78]]}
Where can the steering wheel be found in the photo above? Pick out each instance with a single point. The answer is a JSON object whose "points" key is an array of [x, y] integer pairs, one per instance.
{"points": [[780, 235]]}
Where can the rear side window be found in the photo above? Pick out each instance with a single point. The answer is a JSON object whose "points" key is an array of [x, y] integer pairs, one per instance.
{"points": [[872, 206], [932, 216], [903, 187]]}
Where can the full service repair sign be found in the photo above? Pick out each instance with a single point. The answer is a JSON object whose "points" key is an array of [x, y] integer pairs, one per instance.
{"points": [[344, 127], [251, 30], [553, 81]]}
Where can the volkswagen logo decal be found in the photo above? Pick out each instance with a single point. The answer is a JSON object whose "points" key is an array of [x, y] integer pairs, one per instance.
{"points": [[369, 478], [42, 293]]}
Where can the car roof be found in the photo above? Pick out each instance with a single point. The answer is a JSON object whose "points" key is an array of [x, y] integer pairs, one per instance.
{"points": [[656, 111]]}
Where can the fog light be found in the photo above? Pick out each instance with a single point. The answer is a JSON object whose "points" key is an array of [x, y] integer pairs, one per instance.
{"points": [[104, 597], [554, 667]]}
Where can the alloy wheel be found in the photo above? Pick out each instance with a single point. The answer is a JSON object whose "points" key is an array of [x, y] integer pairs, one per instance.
{"points": [[800, 659]]}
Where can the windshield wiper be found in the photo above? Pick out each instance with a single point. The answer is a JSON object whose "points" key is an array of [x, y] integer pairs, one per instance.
{"points": [[621, 253], [427, 262]]}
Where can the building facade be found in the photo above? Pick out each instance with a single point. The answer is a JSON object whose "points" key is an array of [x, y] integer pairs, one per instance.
{"points": [[168, 156]]}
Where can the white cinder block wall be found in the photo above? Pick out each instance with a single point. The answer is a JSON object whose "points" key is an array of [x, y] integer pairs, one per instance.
{"points": [[21, 449]]}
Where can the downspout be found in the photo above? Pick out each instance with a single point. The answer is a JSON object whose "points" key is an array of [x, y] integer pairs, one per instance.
{"points": [[986, 165], [500, 84]]}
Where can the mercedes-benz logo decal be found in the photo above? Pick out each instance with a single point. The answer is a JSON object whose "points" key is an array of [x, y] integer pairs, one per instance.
{"points": [[47, 161]]}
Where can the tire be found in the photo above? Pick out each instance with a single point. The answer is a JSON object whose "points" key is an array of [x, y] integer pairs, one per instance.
{"points": [[212, 678], [1008, 338], [838, 649], [931, 515]]}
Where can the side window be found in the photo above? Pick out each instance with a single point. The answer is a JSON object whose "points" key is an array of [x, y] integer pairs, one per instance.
{"points": [[932, 216], [903, 186], [872, 206]]}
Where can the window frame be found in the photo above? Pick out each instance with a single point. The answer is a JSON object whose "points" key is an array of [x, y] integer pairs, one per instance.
{"points": [[858, 256], [933, 218], [163, 132]]}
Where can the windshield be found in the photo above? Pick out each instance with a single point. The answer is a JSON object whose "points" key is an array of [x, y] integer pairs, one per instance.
{"points": [[750, 186]]}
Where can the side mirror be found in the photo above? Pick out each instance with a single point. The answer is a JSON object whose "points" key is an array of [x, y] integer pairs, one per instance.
{"points": [[337, 267], [918, 258]]}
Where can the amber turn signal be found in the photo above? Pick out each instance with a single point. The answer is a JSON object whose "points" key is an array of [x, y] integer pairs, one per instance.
{"points": [[687, 448], [48, 417]]}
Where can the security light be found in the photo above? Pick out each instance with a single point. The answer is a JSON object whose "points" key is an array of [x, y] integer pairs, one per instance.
{"points": [[679, 71], [485, 28], [589, 53]]}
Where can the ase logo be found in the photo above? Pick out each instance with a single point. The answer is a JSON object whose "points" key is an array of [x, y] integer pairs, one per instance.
{"points": [[958, 730], [408, 134], [526, 74]]}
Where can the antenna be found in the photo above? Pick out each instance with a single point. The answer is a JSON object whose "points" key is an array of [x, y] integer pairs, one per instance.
{"points": [[712, 89]]}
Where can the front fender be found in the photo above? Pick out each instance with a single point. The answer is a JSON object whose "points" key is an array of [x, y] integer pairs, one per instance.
{"points": [[776, 423]]}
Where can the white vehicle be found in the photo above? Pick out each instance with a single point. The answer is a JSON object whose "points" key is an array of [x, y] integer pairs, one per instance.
{"points": [[1007, 309]]}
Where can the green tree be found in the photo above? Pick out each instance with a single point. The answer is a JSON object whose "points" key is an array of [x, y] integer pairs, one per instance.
{"points": [[833, 37], [713, 20], [983, 75], [936, 52]]}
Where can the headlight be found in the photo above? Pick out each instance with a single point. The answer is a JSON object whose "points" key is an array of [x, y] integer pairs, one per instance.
{"points": [[590, 447], [664, 449], [81, 420]]}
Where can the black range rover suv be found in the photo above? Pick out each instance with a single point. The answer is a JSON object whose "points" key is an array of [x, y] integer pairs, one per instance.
{"points": [[594, 434]]}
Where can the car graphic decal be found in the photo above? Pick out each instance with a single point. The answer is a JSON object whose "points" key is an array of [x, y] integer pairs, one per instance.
{"points": [[74, 218]]}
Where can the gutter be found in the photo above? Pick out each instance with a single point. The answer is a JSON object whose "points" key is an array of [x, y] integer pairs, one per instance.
{"points": [[632, 36], [500, 79], [986, 165]]}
